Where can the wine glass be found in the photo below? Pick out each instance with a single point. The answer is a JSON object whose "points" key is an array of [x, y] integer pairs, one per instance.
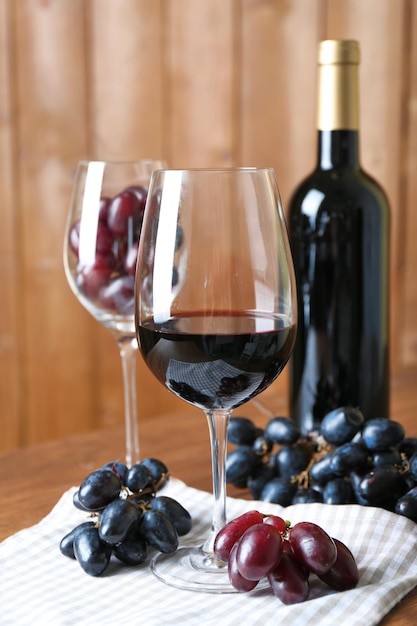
{"points": [[100, 251], [215, 311]]}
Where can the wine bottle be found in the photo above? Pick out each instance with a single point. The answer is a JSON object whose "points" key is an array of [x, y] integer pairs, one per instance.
{"points": [[339, 233]]}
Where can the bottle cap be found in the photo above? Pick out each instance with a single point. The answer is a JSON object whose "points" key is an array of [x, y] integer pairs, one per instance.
{"points": [[339, 51]]}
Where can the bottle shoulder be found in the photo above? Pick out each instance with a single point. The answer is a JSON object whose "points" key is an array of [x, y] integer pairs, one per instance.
{"points": [[337, 189]]}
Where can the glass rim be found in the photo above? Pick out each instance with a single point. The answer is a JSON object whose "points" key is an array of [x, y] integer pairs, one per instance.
{"points": [[84, 162], [218, 169]]}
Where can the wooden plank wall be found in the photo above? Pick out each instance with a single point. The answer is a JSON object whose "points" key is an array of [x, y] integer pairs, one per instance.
{"points": [[200, 83]]}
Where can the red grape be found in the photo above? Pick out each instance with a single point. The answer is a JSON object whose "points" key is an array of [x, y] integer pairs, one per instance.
{"points": [[259, 550], [104, 208], [238, 581], [118, 295], [104, 238], [344, 572], [123, 208], [288, 581], [313, 547], [276, 521], [229, 534], [91, 278]]}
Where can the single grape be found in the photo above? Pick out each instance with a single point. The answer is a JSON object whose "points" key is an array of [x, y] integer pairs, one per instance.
{"points": [[279, 491], [408, 446], [123, 210], [138, 477], [116, 520], [178, 515], [293, 459], [118, 295], [238, 581], [232, 532], [276, 521], [382, 486], [103, 212], [320, 472], [341, 425], [413, 465], [76, 502], [390, 456], [159, 531], [159, 471], [338, 491], [240, 464], [407, 504], [91, 552], [67, 543], [119, 468], [99, 488], [104, 239], [348, 457], [313, 547], [381, 434], [304, 495], [91, 278], [133, 550], [258, 551], [344, 573], [282, 431], [262, 446], [288, 580], [241, 431]]}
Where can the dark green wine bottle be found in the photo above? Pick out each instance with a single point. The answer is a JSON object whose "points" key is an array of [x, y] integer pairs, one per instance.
{"points": [[339, 233]]}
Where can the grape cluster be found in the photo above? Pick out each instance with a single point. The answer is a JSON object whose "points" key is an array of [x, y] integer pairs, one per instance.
{"points": [[257, 546], [348, 461], [127, 516], [109, 279]]}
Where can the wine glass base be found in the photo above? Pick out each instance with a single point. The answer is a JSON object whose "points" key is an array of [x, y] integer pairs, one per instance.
{"points": [[192, 569]]}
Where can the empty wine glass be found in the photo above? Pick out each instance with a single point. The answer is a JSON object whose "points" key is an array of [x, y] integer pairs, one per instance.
{"points": [[215, 310], [100, 251]]}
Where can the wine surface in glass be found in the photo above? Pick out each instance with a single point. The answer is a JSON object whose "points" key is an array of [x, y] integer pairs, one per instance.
{"points": [[217, 360]]}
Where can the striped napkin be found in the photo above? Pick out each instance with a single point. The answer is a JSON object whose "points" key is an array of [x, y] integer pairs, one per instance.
{"points": [[38, 585]]}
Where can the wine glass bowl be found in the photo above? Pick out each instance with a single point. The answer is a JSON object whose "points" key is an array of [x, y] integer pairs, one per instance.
{"points": [[100, 252], [215, 310]]}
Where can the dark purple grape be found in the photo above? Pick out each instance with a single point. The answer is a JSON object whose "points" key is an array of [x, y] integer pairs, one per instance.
{"points": [[67, 543], [178, 515], [407, 504], [338, 491], [288, 581], [282, 431], [238, 581], [241, 431], [138, 477], [341, 425], [76, 502], [91, 552], [232, 532], [240, 463], [313, 547], [116, 520], [259, 477], [382, 486], [381, 434], [387, 457], [159, 471], [413, 465], [159, 531], [262, 446], [279, 491], [133, 550], [293, 459], [119, 468], [320, 472], [349, 457], [344, 572], [259, 550], [306, 495], [99, 489]]}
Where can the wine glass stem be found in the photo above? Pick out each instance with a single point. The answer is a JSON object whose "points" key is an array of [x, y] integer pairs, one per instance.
{"points": [[217, 421], [128, 347]]}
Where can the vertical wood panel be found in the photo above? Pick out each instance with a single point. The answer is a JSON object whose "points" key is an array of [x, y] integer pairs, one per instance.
{"points": [[200, 46], [407, 324], [50, 104], [9, 309]]}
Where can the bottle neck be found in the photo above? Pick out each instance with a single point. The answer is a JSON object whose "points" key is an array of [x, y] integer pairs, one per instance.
{"points": [[338, 149], [338, 105]]}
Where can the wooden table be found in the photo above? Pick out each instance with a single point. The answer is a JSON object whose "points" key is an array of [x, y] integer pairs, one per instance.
{"points": [[34, 478]]}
